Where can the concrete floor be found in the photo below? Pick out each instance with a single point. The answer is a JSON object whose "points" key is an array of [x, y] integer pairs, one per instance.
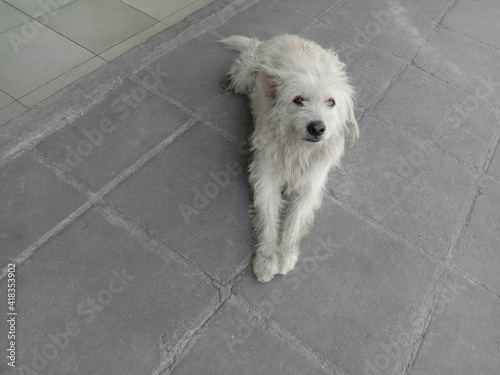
{"points": [[124, 206], [45, 45]]}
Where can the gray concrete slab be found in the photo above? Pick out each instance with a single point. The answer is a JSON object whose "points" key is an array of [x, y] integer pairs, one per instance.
{"points": [[494, 168], [371, 70], [353, 293], [491, 2], [113, 134], [99, 311], [231, 113], [486, 30], [411, 182], [477, 251], [441, 114], [194, 195], [266, 19], [207, 11], [314, 8], [189, 76], [462, 337], [165, 199], [476, 70], [231, 343], [32, 201], [54, 54], [432, 9], [386, 24]]}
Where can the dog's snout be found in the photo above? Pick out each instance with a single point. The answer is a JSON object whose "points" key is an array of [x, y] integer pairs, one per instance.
{"points": [[316, 128]]}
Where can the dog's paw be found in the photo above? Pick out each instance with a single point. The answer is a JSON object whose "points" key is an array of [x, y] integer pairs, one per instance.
{"points": [[288, 263], [265, 267]]}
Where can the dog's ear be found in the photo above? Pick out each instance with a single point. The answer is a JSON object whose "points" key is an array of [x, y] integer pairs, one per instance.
{"points": [[352, 124], [270, 86]]}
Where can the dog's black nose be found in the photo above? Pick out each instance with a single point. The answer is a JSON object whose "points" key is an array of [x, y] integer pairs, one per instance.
{"points": [[316, 128]]}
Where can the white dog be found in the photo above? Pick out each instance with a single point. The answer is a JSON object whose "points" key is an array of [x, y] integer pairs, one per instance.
{"points": [[302, 106]]}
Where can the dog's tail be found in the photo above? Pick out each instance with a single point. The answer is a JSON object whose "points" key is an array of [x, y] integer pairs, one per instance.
{"points": [[240, 43], [244, 69]]}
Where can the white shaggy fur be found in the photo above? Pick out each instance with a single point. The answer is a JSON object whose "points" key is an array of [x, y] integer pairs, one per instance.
{"points": [[291, 159]]}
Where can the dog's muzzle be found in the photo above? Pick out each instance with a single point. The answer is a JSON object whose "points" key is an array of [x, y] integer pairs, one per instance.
{"points": [[315, 130]]}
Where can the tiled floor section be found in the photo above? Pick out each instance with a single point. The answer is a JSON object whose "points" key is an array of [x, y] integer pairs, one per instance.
{"points": [[46, 45], [124, 201]]}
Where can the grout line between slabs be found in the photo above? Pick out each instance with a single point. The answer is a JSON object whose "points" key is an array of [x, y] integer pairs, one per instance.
{"points": [[131, 7], [465, 217], [61, 173], [470, 279], [197, 116], [298, 10], [144, 159], [441, 262], [172, 356], [15, 142], [284, 335], [57, 122], [64, 118], [124, 221], [72, 69], [28, 253], [64, 36], [381, 95], [379, 225], [484, 44], [94, 197], [495, 143], [435, 294], [213, 21], [133, 77], [446, 11], [486, 98], [421, 337], [408, 60], [132, 225], [431, 145]]}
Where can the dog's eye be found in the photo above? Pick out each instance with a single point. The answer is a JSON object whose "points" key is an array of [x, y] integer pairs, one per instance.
{"points": [[330, 102], [299, 100]]}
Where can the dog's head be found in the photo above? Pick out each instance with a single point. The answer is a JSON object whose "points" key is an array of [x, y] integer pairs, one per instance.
{"points": [[315, 102]]}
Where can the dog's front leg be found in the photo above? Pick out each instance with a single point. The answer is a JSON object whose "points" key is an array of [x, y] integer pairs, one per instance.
{"points": [[298, 218], [266, 221]]}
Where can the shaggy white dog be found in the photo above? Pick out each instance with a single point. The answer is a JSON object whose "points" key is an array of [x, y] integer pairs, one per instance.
{"points": [[302, 106]]}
